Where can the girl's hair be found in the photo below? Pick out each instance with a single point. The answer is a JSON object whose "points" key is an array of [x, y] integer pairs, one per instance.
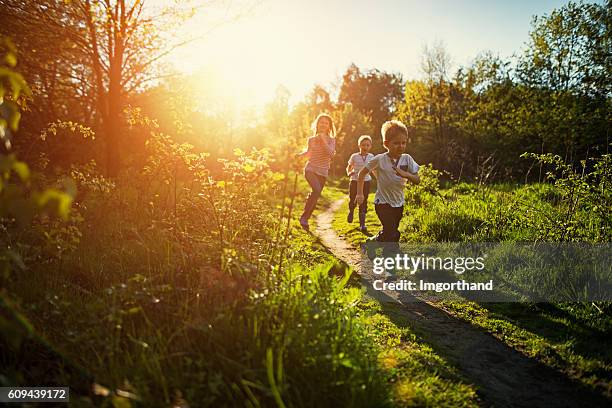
{"points": [[315, 124], [362, 138]]}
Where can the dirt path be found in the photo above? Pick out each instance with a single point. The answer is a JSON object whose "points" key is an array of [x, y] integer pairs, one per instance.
{"points": [[503, 376]]}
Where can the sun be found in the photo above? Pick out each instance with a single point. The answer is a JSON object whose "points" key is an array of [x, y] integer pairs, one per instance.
{"points": [[247, 60]]}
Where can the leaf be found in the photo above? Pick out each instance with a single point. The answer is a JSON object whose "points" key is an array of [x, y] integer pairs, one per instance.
{"points": [[10, 59], [134, 310], [272, 380], [62, 201], [22, 170], [120, 402]]}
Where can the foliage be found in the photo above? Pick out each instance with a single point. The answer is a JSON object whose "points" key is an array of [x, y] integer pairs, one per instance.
{"points": [[374, 93], [574, 208], [20, 203], [569, 50], [569, 337], [587, 192], [351, 124], [181, 279], [12, 88], [554, 99], [28, 226], [428, 186]]}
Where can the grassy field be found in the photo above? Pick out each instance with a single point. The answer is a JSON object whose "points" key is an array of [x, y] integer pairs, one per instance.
{"points": [[208, 310], [205, 293], [570, 337]]}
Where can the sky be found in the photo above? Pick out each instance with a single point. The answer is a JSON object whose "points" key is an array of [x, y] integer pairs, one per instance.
{"points": [[298, 44]]}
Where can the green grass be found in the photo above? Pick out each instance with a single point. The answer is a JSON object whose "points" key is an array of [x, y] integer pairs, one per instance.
{"points": [[414, 374], [171, 318], [572, 338], [550, 333], [418, 376]]}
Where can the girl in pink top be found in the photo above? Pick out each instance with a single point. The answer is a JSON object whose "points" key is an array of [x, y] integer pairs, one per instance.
{"points": [[320, 150]]}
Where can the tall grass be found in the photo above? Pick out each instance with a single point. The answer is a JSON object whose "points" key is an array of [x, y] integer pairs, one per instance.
{"points": [[175, 283]]}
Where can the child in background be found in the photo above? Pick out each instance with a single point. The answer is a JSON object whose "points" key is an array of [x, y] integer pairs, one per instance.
{"points": [[393, 168], [320, 150], [356, 162]]}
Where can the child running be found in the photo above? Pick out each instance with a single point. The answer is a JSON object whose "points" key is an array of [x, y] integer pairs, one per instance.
{"points": [[320, 150], [393, 168], [356, 162]]}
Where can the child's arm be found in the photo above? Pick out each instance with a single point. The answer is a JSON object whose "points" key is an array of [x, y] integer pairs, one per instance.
{"points": [[414, 178], [305, 152], [330, 147], [349, 169], [359, 196]]}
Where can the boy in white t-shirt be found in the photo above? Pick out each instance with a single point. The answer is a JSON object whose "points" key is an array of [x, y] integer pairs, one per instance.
{"points": [[393, 168], [356, 162]]}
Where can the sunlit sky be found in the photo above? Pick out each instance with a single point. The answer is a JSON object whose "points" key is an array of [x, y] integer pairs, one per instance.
{"points": [[302, 43]]}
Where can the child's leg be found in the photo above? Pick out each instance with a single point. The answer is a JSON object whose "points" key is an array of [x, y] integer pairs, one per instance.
{"points": [[316, 182], [392, 231], [381, 213], [390, 218], [395, 217], [352, 195], [363, 207]]}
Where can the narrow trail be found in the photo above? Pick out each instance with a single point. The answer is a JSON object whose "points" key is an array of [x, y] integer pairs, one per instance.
{"points": [[503, 376]]}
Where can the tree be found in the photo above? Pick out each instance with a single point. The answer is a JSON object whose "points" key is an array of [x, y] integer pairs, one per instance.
{"points": [[433, 108], [570, 50], [47, 34], [123, 43], [374, 93], [566, 64], [115, 48], [351, 124]]}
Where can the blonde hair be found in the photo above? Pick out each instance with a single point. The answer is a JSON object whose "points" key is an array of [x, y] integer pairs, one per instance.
{"points": [[393, 128], [315, 124], [362, 138]]}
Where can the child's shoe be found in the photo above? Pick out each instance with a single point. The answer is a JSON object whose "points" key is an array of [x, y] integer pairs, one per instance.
{"points": [[349, 217], [362, 226], [304, 224]]}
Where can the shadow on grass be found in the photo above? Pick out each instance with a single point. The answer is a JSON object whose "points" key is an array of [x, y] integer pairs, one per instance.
{"points": [[558, 325], [504, 376]]}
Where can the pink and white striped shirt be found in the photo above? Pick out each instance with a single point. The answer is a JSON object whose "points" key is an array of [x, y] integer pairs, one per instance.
{"points": [[320, 152]]}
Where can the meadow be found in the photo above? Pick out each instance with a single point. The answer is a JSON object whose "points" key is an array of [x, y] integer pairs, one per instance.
{"points": [[569, 336], [267, 318], [150, 248]]}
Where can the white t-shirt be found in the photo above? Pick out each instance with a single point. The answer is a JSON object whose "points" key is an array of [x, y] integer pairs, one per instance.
{"points": [[358, 161], [390, 186]]}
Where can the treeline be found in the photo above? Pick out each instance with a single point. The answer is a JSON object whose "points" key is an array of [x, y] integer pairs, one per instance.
{"points": [[475, 122], [92, 68]]}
